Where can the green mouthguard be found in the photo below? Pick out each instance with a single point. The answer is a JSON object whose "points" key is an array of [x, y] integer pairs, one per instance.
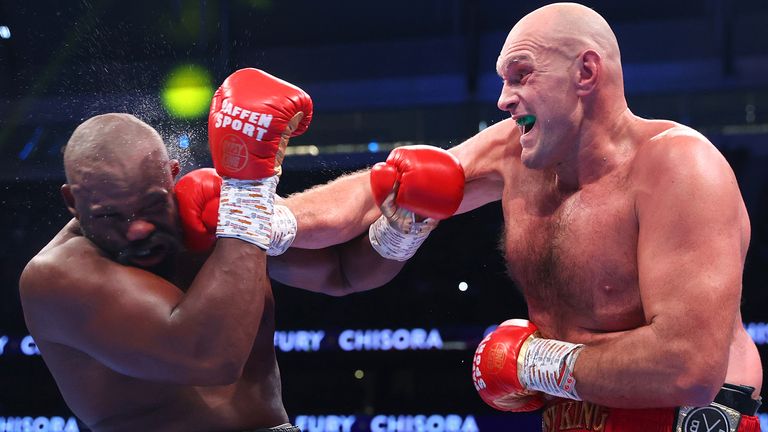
{"points": [[526, 120]]}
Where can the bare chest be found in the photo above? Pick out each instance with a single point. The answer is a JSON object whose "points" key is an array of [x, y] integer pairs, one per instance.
{"points": [[575, 259]]}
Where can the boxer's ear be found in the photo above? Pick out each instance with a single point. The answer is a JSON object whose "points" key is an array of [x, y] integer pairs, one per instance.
{"points": [[69, 199], [590, 65], [174, 165]]}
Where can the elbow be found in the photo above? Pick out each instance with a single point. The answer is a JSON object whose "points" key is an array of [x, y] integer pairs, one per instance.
{"points": [[698, 393], [699, 381]]}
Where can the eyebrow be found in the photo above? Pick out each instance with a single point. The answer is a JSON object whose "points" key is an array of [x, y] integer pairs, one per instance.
{"points": [[520, 58]]}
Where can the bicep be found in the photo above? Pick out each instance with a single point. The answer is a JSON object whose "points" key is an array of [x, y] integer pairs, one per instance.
{"points": [[486, 158], [690, 249]]}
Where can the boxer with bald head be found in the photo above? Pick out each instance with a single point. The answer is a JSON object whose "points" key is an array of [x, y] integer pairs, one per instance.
{"points": [[148, 318], [136, 333], [121, 151], [627, 237]]}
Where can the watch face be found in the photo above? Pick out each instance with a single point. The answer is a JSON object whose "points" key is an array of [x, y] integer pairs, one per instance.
{"points": [[706, 419]]}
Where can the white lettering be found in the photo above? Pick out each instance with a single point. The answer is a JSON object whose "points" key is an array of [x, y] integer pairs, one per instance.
{"points": [[236, 110], [402, 339], [245, 113], [387, 339], [709, 429], [71, 425], [329, 423], [469, 424], [260, 133], [694, 426], [287, 341], [38, 424], [219, 116], [432, 423], [418, 336], [57, 424], [248, 129], [265, 120], [3, 343], [226, 107], [227, 121], [237, 125], [254, 118], [28, 346], [434, 340]]}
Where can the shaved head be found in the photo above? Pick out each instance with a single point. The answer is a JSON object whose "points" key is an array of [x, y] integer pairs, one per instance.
{"points": [[114, 143], [575, 25], [561, 81], [568, 29], [118, 175]]}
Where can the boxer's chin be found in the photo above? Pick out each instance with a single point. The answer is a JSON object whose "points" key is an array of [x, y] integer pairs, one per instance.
{"points": [[529, 158], [153, 254]]}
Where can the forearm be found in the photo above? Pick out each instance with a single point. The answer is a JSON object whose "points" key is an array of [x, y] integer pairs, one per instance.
{"points": [[220, 314], [647, 367], [363, 268], [343, 269], [333, 213]]}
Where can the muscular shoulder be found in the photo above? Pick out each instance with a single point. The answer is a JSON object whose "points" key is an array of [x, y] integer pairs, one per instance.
{"points": [[53, 269], [676, 154], [679, 173]]}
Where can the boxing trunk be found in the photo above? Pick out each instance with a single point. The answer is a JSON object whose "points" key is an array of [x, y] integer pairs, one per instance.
{"points": [[733, 410]]}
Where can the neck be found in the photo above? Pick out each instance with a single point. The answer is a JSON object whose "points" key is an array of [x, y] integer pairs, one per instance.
{"points": [[601, 145]]}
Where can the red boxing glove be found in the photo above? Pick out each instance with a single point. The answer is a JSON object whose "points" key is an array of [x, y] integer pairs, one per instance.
{"points": [[495, 367], [197, 194], [428, 181], [252, 116]]}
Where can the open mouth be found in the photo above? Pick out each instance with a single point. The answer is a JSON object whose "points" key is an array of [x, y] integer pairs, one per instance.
{"points": [[149, 251], [525, 123], [146, 256]]}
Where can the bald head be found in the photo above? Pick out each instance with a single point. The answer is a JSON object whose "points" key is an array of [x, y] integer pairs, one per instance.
{"points": [[117, 143], [120, 185], [561, 36], [569, 27]]}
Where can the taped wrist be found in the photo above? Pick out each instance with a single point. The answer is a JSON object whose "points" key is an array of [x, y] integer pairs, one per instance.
{"points": [[548, 366], [284, 229], [246, 208], [392, 243]]}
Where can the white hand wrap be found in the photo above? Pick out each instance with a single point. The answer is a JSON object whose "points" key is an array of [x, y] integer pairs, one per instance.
{"points": [[284, 229], [246, 208], [548, 367], [392, 243]]}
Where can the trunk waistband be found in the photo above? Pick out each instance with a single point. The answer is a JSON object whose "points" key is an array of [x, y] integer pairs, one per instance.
{"points": [[739, 398], [725, 413], [733, 407]]}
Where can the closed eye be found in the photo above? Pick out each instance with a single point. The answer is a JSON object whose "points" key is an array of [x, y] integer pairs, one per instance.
{"points": [[522, 75], [106, 215]]}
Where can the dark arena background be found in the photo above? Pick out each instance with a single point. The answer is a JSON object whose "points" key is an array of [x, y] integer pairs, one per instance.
{"points": [[381, 74]]}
